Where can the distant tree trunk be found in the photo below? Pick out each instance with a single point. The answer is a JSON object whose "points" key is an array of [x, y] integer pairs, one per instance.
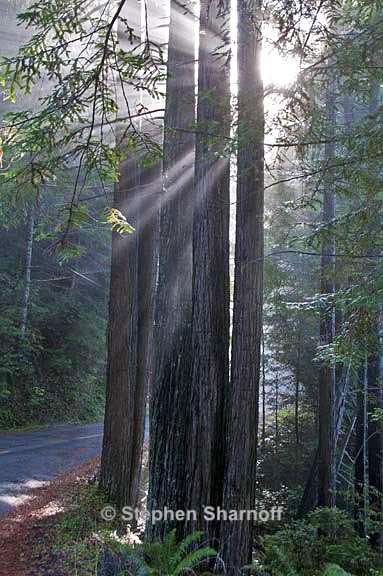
{"points": [[276, 410], [297, 382], [240, 480], [374, 380], [170, 395], [326, 464], [360, 444], [263, 391], [30, 226], [211, 284], [361, 451], [310, 493]]}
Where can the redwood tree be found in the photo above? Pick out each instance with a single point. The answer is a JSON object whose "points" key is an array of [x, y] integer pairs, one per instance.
{"points": [[170, 395], [326, 462], [129, 322], [374, 375], [248, 290], [211, 284]]}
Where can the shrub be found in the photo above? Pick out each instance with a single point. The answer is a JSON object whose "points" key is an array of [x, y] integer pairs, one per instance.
{"points": [[323, 544]]}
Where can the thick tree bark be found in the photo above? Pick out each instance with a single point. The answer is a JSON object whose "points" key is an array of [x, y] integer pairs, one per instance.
{"points": [[170, 396], [237, 537], [326, 464], [263, 391], [211, 284], [130, 334], [122, 444], [30, 226], [130, 321]]}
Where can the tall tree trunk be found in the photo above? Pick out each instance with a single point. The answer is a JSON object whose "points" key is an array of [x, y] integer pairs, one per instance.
{"points": [[170, 395], [122, 446], [240, 480], [148, 219], [263, 391], [211, 284], [360, 443], [30, 226], [374, 378], [147, 230], [326, 464], [129, 329]]}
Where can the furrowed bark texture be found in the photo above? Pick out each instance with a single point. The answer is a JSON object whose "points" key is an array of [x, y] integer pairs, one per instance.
{"points": [[170, 396], [236, 538], [326, 463], [130, 320], [211, 283], [122, 445]]}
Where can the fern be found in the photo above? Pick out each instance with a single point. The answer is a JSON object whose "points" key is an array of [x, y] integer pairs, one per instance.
{"points": [[170, 558], [193, 559], [185, 544]]}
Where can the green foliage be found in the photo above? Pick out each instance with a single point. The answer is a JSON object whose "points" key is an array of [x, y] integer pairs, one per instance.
{"points": [[334, 570], [56, 371], [377, 415], [325, 543], [170, 558], [117, 221], [75, 123], [83, 515]]}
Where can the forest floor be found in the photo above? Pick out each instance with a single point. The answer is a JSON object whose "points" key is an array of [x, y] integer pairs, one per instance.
{"points": [[59, 529], [28, 535]]}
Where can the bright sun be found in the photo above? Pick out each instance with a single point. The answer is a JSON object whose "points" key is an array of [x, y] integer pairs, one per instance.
{"points": [[278, 70]]}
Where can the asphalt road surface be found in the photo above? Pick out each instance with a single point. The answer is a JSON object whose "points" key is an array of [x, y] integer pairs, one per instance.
{"points": [[29, 459]]}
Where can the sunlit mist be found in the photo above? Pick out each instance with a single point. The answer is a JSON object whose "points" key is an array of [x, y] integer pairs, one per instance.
{"points": [[277, 69]]}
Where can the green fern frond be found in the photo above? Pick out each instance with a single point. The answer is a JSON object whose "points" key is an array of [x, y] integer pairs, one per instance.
{"points": [[185, 544], [193, 558], [335, 570], [169, 558]]}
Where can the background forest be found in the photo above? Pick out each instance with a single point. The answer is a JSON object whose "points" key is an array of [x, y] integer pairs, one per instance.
{"points": [[213, 171]]}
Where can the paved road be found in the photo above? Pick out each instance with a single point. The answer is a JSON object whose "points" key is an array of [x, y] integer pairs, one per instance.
{"points": [[28, 459]]}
